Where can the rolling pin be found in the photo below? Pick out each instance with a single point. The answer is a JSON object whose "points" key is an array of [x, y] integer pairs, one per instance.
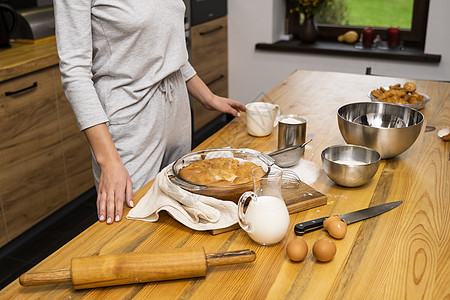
{"points": [[129, 268]]}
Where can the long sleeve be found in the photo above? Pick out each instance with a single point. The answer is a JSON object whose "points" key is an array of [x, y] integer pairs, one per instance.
{"points": [[74, 42], [187, 71]]}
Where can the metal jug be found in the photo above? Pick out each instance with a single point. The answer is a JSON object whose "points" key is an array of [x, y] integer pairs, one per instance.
{"points": [[8, 21]]}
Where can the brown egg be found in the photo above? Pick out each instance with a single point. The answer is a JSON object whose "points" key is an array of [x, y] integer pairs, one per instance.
{"points": [[337, 229], [324, 250], [297, 249], [330, 220]]}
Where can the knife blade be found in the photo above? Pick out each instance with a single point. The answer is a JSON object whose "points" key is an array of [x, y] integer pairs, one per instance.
{"points": [[348, 218]]}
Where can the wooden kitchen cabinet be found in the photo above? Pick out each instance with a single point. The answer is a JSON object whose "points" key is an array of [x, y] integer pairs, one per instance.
{"points": [[209, 57], [3, 232], [77, 154], [44, 162]]}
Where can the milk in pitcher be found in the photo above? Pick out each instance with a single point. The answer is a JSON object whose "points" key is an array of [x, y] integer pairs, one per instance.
{"points": [[268, 219]]}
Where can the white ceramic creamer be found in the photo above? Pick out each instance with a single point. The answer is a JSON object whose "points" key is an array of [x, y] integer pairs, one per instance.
{"points": [[261, 118], [266, 219]]}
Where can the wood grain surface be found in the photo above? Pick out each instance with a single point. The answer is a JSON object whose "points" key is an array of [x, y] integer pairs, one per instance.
{"points": [[77, 153], [209, 57], [24, 58], [402, 254], [3, 231], [31, 152], [41, 145]]}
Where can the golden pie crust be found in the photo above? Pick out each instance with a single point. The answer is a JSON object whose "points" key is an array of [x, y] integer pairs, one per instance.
{"points": [[220, 171]]}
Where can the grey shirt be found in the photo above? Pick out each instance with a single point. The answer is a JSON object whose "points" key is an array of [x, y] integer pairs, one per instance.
{"points": [[113, 53]]}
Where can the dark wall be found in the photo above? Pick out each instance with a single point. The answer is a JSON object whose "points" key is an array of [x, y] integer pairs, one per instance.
{"points": [[21, 4]]}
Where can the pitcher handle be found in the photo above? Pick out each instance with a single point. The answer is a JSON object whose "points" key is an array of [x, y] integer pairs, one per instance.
{"points": [[241, 216]]}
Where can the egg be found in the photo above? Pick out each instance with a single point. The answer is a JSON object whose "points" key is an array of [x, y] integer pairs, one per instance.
{"points": [[330, 220], [324, 250], [337, 229], [297, 249]]}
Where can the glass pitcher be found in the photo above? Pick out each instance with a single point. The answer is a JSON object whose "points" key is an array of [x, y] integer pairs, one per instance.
{"points": [[266, 219]]}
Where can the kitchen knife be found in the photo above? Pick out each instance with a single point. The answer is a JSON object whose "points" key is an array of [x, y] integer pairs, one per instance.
{"points": [[349, 218]]}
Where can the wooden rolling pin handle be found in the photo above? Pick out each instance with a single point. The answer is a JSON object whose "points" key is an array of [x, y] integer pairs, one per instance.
{"points": [[47, 277], [110, 270], [230, 258]]}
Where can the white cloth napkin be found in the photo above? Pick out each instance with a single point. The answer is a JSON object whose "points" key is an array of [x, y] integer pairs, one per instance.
{"points": [[194, 211]]}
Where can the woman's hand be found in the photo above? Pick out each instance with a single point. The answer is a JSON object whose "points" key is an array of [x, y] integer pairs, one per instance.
{"points": [[202, 93], [114, 182], [224, 105]]}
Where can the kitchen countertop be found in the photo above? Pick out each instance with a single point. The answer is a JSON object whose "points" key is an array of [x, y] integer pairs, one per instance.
{"points": [[24, 58], [400, 254]]}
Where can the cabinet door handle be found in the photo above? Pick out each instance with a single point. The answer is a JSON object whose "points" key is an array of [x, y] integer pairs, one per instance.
{"points": [[212, 30], [34, 85], [216, 79]]}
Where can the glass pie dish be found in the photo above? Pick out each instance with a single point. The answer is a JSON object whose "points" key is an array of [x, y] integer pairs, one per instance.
{"points": [[418, 105], [230, 192]]}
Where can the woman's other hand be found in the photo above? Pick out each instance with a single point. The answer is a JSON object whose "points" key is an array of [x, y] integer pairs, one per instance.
{"points": [[224, 105], [202, 93]]}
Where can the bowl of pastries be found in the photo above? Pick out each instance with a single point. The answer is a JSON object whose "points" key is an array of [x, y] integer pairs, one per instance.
{"points": [[224, 173], [404, 95]]}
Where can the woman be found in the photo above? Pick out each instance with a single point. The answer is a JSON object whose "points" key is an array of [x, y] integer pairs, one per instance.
{"points": [[125, 72]]}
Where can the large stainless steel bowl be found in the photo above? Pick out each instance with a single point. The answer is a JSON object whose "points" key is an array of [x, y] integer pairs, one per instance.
{"points": [[387, 128], [350, 165]]}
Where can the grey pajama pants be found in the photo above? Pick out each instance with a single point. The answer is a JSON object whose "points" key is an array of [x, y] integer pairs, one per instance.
{"points": [[157, 135]]}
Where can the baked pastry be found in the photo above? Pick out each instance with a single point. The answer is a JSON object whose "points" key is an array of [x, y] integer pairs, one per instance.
{"points": [[220, 171], [398, 94]]}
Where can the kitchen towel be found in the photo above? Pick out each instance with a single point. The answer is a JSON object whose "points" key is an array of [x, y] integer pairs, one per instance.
{"points": [[194, 211]]}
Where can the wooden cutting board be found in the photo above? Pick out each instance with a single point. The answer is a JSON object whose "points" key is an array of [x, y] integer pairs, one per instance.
{"points": [[299, 198]]}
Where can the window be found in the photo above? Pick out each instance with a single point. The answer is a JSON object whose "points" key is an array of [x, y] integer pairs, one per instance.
{"points": [[410, 16]]}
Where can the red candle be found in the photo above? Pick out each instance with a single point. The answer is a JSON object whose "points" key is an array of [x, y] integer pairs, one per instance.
{"points": [[367, 37], [393, 37]]}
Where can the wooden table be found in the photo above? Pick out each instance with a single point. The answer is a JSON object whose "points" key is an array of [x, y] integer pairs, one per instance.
{"points": [[402, 254]]}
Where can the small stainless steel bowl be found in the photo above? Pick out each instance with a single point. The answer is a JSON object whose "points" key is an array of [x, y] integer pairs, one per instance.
{"points": [[387, 128], [350, 165]]}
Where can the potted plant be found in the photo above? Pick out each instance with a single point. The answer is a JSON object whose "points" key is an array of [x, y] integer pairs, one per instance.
{"points": [[308, 30]]}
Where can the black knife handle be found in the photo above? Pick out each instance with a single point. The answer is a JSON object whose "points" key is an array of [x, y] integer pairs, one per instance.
{"points": [[308, 226]]}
